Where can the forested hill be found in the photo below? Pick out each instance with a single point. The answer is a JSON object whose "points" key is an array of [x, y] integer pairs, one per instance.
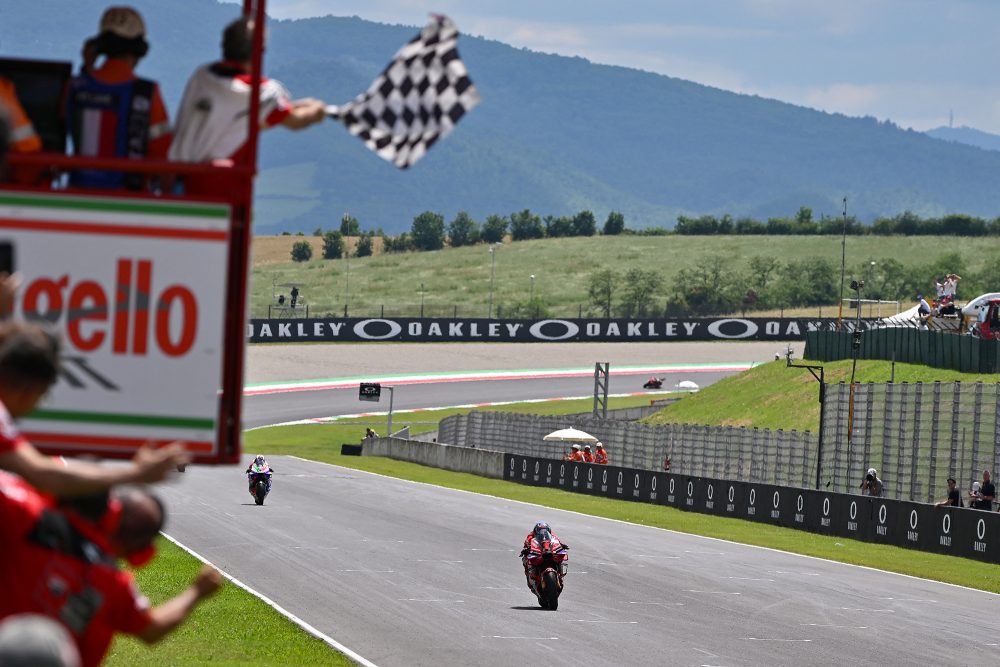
{"points": [[553, 134]]}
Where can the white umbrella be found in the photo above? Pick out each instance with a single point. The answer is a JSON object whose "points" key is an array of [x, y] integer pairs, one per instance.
{"points": [[569, 435]]}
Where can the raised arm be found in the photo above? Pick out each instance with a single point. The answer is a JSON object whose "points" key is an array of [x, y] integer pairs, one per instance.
{"points": [[173, 612]]}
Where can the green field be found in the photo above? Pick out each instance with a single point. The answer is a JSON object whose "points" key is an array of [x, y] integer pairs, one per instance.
{"points": [[460, 277], [791, 398]]}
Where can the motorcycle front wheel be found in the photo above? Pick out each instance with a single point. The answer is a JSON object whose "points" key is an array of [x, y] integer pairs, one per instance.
{"points": [[259, 492], [550, 590]]}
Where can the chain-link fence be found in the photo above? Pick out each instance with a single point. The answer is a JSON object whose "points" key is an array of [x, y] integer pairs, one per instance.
{"points": [[916, 435], [757, 455]]}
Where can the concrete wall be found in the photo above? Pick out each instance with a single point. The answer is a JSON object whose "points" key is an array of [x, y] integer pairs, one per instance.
{"points": [[447, 457]]}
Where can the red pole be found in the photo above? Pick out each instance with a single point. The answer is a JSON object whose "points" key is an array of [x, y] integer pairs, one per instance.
{"points": [[242, 233]]}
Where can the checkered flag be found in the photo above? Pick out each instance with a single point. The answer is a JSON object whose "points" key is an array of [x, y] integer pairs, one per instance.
{"points": [[417, 100]]}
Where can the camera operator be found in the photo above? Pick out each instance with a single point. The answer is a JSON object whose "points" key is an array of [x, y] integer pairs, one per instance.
{"points": [[871, 485]]}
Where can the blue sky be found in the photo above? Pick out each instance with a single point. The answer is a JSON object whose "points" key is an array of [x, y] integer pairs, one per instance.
{"points": [[910, 61]]}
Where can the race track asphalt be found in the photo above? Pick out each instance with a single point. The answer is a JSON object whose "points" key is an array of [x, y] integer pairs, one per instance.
{"points": [[284, 407], [410, 574]]}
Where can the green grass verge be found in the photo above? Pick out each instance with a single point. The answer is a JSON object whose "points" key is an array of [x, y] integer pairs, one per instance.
{"points": [[311, 442], [774, 396], [231, 628]]}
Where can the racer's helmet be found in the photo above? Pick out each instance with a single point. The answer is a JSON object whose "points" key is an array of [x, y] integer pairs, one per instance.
{"points": [[259, 460], [542, 531]]}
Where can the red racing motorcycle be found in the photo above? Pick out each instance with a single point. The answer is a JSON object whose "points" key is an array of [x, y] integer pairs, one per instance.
{"points": [[546, 562]]}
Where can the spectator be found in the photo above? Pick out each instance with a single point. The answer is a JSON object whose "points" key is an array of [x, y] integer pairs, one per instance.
{"points": [[954, 498], [588, 456], [212, 123], [982, 495], [110, 111], [91, 596], [29, 364], [601, 456], [33, 640], [575, 454], [369, 434], [21, 135], [295, 295], [923, 310], [871, 485]]}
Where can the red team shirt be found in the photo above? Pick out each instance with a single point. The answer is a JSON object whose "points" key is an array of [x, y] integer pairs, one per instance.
{"points": [[85, 591]]}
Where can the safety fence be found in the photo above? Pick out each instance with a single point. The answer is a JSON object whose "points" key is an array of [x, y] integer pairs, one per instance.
{"points": [[915, 434], [948, 530], [908, 345], [758, 455]]}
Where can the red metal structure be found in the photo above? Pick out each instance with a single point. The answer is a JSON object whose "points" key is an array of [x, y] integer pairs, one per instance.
{"points": [[238, 199]]}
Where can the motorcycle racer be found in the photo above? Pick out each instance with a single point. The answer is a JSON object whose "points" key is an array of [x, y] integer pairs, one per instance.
{"points": [[540, 539], [258, 465]]}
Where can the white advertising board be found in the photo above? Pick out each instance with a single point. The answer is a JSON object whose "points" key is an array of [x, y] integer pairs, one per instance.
{"points": [[137, 289]]}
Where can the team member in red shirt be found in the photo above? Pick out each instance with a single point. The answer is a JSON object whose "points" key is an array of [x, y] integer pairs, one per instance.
{"points": [[65, 567], [575, 454], [212, 123], [588, 456], [29, 366], [601, 456]]}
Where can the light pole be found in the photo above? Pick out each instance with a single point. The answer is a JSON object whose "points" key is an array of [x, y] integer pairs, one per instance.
{"points": [[531, 297], [843, 263], [347, 289], [493, 265], [871, 270]]}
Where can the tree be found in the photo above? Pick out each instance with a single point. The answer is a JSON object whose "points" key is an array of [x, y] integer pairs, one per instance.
{"points": [[333, 245], [302, 251], [641, 286], [558, 227], [349, 225], [494, 229], [428, 231], [584, 224], [365, 246], [711, 287], [463, 230], [601, 290], [760, 278], [615, 224], [526, 225], [318, 231], [401, 243]]}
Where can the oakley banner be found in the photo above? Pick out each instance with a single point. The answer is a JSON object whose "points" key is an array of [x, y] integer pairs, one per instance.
{"points": [[418, 330]]}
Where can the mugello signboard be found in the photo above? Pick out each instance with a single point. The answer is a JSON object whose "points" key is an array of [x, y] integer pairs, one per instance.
{"points": [[137, 290]]}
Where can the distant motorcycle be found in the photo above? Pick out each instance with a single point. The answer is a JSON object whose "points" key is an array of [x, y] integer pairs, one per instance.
{"points": [[653, 383], [260, 481], [549, 562]]}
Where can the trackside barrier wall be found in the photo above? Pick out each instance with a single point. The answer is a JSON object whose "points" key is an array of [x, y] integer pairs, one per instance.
{"points": [[447, 457], [947, 530], [750, 454], [907, 345]]}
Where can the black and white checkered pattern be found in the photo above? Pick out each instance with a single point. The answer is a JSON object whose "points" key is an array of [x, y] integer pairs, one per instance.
{"points": [[417, 100]]}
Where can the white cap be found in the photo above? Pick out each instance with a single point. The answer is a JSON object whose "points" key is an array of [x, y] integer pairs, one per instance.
{"points": [[123, 21], [872, 471], [975, 487], [575, 446], [600, 445]]}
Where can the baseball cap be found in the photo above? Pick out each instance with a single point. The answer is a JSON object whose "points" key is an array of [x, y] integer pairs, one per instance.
{"points": [[576, 446], [975, 487], [124, 22]]}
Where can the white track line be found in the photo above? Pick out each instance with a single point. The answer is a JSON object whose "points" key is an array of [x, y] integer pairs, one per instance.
{"points": [[281, 610], [666, 530]]}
